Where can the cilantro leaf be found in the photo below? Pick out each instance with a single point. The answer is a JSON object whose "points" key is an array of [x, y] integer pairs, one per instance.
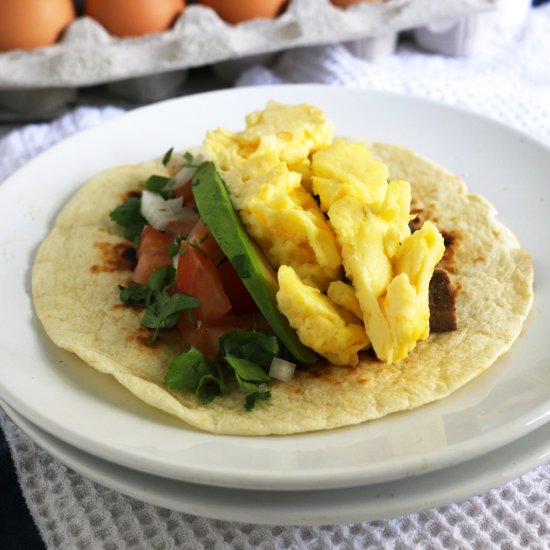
{"points": [[166, 310], [129, 216], [187, 369], [192, 371], [135, 295], [249, 375], [174, 248], [156, 184], [161, 278], [209, 386], [253, 398], [163, 309], [188, 157], [257, 347], [167, 156]]}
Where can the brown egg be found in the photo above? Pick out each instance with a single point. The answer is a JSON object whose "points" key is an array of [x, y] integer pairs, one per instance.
{"points": [[134, 17], [346, 3], [33, 23], [236, 11]]}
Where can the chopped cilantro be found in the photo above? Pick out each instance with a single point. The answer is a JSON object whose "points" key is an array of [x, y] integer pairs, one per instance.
{"points": [[248, 374], [187, 369], [157, 184], [167, 156], [174, 248], [135, 295], [191, 370], [194, 244], [257, 347], [250, 351], [190, 161], [253, 398], [209, 386], [165, 311], [129, 216], [161, 278]]}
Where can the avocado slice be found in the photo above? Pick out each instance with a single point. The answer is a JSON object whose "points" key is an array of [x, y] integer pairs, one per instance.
{"points": [[257, 274]]}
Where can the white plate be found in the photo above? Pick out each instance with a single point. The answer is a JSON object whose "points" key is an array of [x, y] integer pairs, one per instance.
{"points": [[71, 401], [379, 501]]}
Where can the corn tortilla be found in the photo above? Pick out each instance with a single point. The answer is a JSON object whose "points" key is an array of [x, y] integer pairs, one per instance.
{"points": [[80, 264]]}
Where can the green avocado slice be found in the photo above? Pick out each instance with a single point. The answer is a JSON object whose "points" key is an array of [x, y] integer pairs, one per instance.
{"points": [[257, 274]]}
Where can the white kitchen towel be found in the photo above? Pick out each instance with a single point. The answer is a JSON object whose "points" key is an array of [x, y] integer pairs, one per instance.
{"points": [[74, 512], [511, 82]]}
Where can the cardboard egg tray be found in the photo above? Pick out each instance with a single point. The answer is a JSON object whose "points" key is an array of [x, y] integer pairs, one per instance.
{"points": [[40, 83]]}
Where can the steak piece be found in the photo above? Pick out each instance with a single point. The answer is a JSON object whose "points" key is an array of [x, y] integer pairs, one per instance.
{"points": [[442, 302]]}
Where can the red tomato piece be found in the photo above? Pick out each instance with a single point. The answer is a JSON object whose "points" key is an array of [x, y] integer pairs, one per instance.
{"points": [[180, 227], [152, 253], [206, 242], [205, 338], [186, 191], [241, 301], [197, 276]]}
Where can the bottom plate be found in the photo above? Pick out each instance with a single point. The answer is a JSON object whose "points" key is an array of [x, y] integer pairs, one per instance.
{"points": [[359, 504]]}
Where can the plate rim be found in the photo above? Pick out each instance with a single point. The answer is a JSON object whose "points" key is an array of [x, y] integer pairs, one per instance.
{"points": [[21, 406], [385, 493]]}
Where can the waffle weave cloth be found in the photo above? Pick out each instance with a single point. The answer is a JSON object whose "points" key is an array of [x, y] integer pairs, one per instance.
{"points": [[510, 82]]}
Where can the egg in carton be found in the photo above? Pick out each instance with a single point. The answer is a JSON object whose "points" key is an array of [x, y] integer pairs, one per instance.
{"points": [[41, 82]]}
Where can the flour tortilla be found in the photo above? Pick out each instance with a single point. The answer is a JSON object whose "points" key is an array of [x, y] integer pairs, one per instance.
{"points": [[75, 290]]}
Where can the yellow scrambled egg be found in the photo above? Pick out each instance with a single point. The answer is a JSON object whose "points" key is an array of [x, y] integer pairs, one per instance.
{"points": [[321, 209], [264, 167]]}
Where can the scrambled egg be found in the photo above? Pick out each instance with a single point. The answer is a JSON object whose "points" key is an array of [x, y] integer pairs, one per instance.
{"points": [[319, 322], [264, 167], [320, 209]]}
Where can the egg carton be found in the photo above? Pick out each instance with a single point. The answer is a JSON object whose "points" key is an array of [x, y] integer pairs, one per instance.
{"points": [[40, 83]]}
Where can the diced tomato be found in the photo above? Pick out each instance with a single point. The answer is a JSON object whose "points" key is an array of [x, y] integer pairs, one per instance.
{"points": [[203, 337], [197, 276], [152, 253], [201, 236], [206, 338], [186, 191], [241, 301], [180, 227]]}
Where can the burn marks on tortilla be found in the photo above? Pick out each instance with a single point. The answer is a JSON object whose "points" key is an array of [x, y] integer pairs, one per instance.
{"points": [[323, 371], [114, 258], [142, 338]]}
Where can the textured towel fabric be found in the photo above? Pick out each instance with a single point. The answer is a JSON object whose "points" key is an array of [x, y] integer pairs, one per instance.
{"points": [[73, 512], [510, 82]]}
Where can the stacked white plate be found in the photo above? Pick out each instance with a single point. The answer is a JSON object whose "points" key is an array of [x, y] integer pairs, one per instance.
{"points": [[488, 432]]}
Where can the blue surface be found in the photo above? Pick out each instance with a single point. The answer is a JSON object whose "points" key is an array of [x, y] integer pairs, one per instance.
{"points": [[17, 528]]}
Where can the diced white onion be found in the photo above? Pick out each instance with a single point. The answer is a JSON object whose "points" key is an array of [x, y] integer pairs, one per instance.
{"points": [[183, 176], [159, 212], [281, 369]]}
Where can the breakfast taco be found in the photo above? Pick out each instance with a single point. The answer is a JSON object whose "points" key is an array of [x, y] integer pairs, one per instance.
{"points": [[278, 280]]}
